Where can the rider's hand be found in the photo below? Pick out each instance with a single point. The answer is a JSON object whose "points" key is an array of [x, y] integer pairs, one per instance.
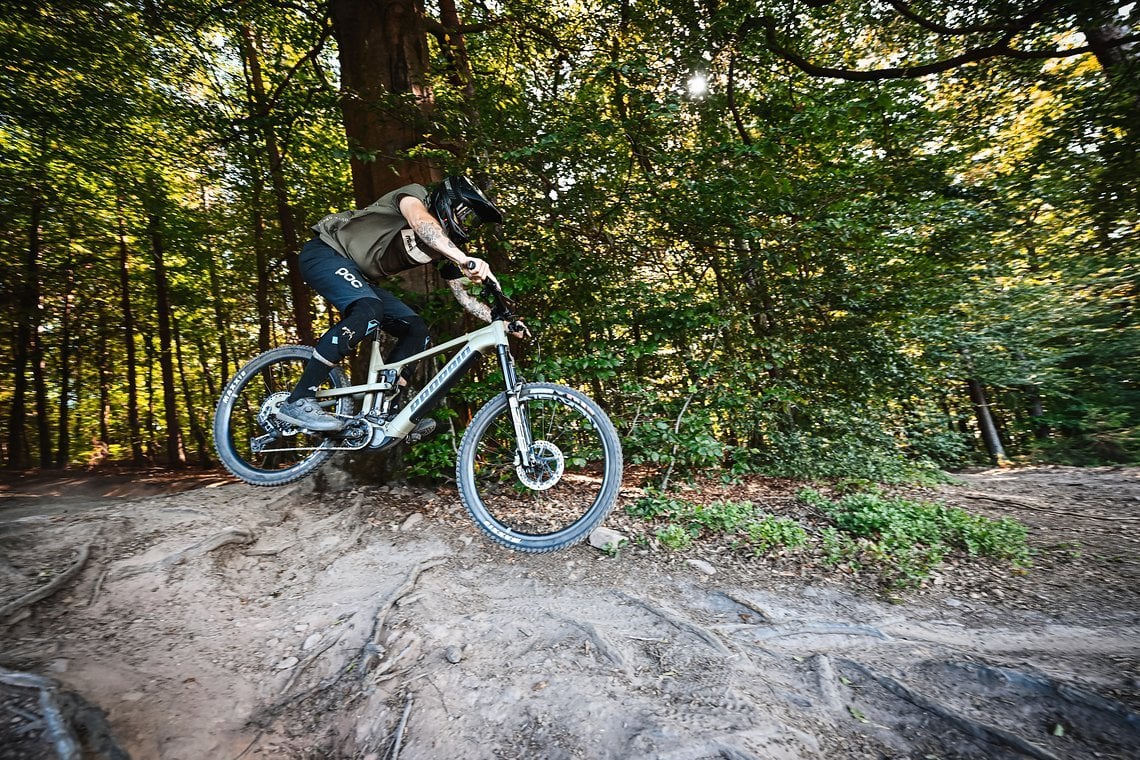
{"points": [[477, 270], [522, 332]]}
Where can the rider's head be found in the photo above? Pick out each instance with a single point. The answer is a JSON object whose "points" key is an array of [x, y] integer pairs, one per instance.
{"points": [[454, 202]]}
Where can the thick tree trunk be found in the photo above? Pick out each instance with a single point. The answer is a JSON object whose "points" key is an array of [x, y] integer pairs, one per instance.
{"points": [[31, 320], [261, 261], [103, 360], [220, 320], [302, 313], [1116, 188], [986, 425], [383, 61], [151, 418]]}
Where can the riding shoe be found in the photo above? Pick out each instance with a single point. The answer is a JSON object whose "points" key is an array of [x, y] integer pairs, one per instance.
{"points": [[304, 413], [422, 430]]}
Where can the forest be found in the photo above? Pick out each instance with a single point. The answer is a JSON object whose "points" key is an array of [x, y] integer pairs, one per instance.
{"points": [[808, 238]]}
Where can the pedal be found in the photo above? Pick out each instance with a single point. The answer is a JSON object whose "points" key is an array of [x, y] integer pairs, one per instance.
{"points": [[424, 428]]}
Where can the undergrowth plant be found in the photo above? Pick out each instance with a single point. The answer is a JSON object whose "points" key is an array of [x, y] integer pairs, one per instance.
{"points": [[899, 539], [906, 539]]}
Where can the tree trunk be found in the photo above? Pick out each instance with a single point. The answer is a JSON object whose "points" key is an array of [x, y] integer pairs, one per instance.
{"points": [[63, 444], [151, 421], [220, 321], [383, 60], [264, 325], [27, 305], [1115, 189], [104, 370], [166, 344], [134, 432], [299, 292], [196, 431], [986, 422], [30, 320]]}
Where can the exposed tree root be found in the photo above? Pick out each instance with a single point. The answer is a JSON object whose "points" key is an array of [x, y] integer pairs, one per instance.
{"points": [[43, 592], [680, 623], [752, 608], [1054, 690], [825, 680], [977, 729], [371, 655], [302, 666], [399, 739], [205, 546], [600, 642]]}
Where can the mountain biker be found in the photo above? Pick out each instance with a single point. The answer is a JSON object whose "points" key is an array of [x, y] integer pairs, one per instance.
{"points": [[407, 228]]}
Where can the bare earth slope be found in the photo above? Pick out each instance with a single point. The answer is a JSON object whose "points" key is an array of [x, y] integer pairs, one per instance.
{"points": [[216, 620]]}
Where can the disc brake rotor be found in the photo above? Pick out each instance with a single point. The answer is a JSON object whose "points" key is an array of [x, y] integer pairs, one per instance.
{"points": [[546, 466]]}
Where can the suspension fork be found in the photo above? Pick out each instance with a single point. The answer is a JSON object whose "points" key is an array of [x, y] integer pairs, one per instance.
{"points": [[523, 436]]}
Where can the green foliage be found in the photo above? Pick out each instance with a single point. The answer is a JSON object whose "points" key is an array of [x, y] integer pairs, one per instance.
{"points": [[658, 442], [720, 516], [897, 539], [432, 459], [793, 277], [908, 538], [674, 537], [772, 532]]}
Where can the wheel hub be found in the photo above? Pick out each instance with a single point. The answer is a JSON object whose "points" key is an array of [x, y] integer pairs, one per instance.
{"points": [[546, 466]]}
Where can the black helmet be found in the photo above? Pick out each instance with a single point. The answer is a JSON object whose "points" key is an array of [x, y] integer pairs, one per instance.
{"points": [[454, 200]]}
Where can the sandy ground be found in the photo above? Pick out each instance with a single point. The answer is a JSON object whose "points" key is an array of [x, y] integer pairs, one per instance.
{"points": [[201, 618]]}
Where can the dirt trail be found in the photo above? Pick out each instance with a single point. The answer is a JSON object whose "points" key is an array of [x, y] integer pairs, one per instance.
{"points": [[226, 621]]}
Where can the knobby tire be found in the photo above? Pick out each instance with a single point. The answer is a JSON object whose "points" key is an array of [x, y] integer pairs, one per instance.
{"points": [[569, 428], [236, 420]]}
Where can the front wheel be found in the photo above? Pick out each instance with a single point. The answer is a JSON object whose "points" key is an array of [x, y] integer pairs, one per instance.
{"points": [[251, 442], [562, 490]]}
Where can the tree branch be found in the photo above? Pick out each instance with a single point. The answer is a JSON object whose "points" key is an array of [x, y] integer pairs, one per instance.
{"points": [[1017, 25], [311, 55], [1001, 49]]}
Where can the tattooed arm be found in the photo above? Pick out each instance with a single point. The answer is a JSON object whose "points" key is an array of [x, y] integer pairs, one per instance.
{"points": [[469, 302], [427, 229]]}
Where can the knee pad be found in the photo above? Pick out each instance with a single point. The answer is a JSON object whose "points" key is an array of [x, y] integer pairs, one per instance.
{"points": [[361, 319]]}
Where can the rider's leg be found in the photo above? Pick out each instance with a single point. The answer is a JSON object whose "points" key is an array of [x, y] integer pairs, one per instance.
{"points": [[341, 282], [365, 308], [362, 318]]}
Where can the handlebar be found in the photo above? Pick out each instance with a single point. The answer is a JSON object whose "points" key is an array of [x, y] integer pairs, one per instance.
{"points": [[500, 305]]}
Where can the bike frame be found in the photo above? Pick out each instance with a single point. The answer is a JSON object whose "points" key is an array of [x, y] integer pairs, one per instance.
{"points": [[472, 347]]}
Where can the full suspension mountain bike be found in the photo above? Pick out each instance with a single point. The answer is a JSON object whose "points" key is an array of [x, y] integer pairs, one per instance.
{"points": [[539, 465]]}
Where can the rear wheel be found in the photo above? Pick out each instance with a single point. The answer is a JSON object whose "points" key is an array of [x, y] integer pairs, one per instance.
{"points": [[570, 484], [251, 442]]}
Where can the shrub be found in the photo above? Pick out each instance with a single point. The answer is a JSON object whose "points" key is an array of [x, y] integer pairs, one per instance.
{"points": [[909, 538], [674, 537], [771, 532]]}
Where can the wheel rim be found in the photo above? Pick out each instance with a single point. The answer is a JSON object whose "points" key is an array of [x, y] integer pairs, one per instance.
{"points": [[562, 486], [254, 436]]}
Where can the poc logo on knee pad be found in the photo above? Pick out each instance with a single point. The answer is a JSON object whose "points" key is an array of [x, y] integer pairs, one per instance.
{"points": [[350, 277]]}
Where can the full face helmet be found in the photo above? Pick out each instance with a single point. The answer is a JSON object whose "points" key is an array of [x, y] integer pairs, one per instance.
{"points": [[454, 202]]}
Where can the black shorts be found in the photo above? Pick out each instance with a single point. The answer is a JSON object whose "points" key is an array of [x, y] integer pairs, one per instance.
{"points": [[340, 280]]}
